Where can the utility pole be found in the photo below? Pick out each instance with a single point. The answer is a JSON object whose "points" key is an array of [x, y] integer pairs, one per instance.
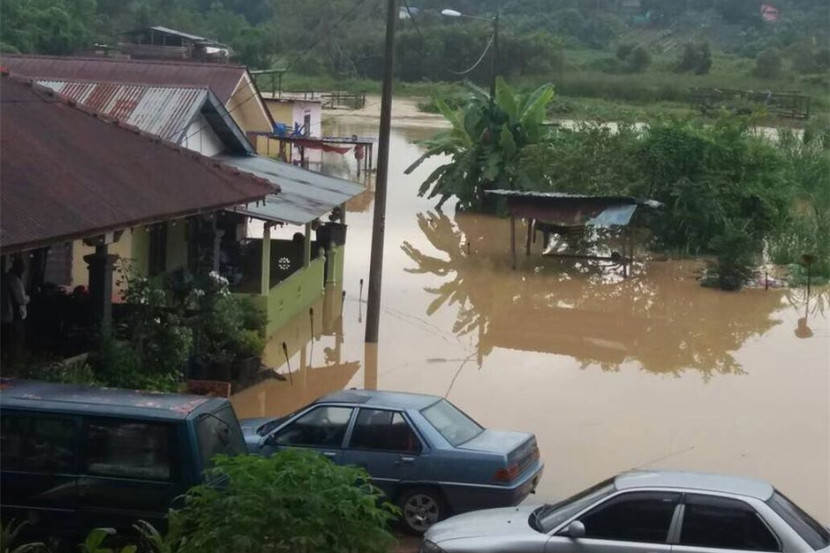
{"points": [[379, 221]]}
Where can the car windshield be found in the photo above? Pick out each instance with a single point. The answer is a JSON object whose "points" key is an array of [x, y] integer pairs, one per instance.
{"points": [[811, 531], [451, 423], [549, 517], [219, 433], [272, 424]]}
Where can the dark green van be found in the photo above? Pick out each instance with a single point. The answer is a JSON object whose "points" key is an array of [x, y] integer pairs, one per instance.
{"points": [[74, 457]]}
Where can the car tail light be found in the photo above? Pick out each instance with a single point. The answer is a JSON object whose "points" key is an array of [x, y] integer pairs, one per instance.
{"points": [[508, 474]]}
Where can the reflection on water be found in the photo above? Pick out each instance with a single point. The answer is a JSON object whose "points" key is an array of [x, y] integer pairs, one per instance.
{"points": [[307, 361], [609, 373], [660, 319]]}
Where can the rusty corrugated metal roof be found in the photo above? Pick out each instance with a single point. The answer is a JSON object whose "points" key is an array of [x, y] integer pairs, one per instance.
{"points": [[68, 173], [164, 111], [221, 78], [573, 209]]}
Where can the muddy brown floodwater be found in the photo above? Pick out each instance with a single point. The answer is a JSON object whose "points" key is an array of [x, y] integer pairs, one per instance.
{"points": [[609, 373]]}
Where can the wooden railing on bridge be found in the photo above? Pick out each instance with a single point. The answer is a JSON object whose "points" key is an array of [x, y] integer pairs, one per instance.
{"points": [[331, 99], [793, 105]]}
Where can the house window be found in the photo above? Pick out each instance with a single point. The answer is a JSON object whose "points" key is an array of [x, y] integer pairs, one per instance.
{"points": [[157, 262]]}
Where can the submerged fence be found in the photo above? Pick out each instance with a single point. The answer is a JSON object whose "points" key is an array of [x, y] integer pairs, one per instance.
{"points": [[793, 105]]}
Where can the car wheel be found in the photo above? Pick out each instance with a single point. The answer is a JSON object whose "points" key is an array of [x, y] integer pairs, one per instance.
{"points": [[420, 509]]}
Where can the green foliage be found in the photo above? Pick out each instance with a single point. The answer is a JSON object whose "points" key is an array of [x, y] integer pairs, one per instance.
{"points": [[735, 264], [155, 330], [695, 58], [705, 175], [226, 327], [76, 371], [95, 540], [47, 26], [295, 501], [768, 64], [639, 60], [153, 541], [9, 536], [806, 230], [117, 364], [485, 143]]}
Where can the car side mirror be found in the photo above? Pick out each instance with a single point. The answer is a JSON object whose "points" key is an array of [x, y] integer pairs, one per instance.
{"points": [[575, 530]]}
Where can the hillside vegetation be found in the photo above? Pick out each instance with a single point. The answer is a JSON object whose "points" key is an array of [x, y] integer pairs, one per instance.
{"points": [[587, 48]]}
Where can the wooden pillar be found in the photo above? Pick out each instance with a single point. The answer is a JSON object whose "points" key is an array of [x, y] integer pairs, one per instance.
{"points": [[307, 246], [100, 287], [265, 274], [370, 366], [529, 235], [513, 239], [217, 246], [331, 261]]}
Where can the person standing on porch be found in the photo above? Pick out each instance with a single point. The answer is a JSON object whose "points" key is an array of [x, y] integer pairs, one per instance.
{"points": [[14, 311]]}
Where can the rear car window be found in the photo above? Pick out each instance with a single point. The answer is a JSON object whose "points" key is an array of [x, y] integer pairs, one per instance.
{"points": [[219, 433], [806, 526], [383, 430], [451, 423], [37, 443], [723, 523], [129, 449]]}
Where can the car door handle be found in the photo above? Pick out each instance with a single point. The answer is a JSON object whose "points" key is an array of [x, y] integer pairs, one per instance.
{"points": [[403, 460], [330, 454]]}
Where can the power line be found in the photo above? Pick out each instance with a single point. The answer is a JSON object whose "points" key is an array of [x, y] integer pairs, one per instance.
{"points": [[447, 69], [480, 59], [326, 34]]}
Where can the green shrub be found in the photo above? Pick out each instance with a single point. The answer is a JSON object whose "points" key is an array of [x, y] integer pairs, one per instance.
{"points": [[294, 501], [623, 50], [154, 328], [118, 365], [639, 60], [768, 64], [9, 536], [77, 371], [696, 58], [735, 262]]}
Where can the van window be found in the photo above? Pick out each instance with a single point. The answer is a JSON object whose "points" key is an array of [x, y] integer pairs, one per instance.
{"points": [[219, 433], [129, 449], [37, 443]]}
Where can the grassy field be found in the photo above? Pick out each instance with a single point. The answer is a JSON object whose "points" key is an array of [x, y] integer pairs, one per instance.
{"points": [[583, 91]]}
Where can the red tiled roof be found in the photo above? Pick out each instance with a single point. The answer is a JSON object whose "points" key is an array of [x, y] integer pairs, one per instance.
{"points": [[221, 78], [69, 173]]}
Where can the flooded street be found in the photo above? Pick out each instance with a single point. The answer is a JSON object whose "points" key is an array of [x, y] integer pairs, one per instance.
{"points": [[609, 373]]}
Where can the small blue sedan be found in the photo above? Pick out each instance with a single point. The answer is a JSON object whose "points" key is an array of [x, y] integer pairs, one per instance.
{"points": [[429, 457]]}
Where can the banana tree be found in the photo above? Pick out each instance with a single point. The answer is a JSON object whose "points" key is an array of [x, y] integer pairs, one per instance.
{"points": [[484, 143]]}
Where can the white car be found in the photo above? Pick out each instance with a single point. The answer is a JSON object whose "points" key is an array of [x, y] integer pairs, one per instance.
{"points": [[642, 512]]}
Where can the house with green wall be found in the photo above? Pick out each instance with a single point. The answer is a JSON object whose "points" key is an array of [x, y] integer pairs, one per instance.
{"points": [[246, 243]]}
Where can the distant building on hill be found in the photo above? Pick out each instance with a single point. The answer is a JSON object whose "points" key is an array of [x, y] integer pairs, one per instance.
{"points": [[169, 44]]}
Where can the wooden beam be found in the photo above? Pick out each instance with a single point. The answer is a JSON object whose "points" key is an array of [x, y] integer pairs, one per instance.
{"points": [[265, 270], [529, 236], [513, 239], [307, 246]]}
